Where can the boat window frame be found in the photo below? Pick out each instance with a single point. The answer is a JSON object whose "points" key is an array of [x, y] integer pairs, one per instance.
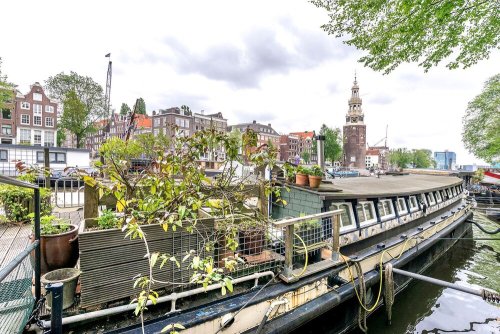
{"points": [[353, 225], [384, 216], [372, 208], [453, 191], [424, 198], [444, 195], [415, 202], [438, 197], [448, 191], [400, 200], [431, 199]]}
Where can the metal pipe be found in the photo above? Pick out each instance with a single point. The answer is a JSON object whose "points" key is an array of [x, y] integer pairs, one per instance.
{"points": [[320, 140], [56, 291], [15, 262], [438, 282], [172, 297], [38, 250]]}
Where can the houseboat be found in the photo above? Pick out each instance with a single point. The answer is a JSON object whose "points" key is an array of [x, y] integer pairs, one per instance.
{"points": [[324, 250]]}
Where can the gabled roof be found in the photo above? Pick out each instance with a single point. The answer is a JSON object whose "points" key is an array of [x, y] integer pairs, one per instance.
{"points": [[303, 135]]}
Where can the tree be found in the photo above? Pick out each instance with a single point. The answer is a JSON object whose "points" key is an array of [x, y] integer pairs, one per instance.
{"points": [[306, 156], [141, 106], [481, 123], [85, 100], [333, 143], [427, 32], [6, 89], [124, 109], [186, 110], [74, 117], [422, 159], [400, 157], [61, 137]]}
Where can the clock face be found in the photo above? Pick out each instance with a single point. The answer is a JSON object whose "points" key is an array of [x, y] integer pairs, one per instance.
{"points": [[354, 119]]}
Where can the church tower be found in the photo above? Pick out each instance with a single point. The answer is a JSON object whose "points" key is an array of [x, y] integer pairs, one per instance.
{"points": [[354, 131]]}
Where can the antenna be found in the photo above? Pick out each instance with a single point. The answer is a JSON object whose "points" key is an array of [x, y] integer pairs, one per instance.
{"points": [[108, 84]]}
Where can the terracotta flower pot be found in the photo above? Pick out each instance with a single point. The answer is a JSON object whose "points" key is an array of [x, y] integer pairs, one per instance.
{"points": [[314, 181], [301, 179], [253, 241], [59, 250]]}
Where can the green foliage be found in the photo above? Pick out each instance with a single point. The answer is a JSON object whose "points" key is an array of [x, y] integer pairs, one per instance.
{"points": [[290, 171], [333, 143], [306, 156], [50, 225], [422, 159], [6, 89], [18, 202], [303, 170], [478, 175], [186, 110], [83, 100], [107, 220], [481, 123], [316, 171], [61, 137], [124, 109], [427, 32], [400, 157], [140, 106]]}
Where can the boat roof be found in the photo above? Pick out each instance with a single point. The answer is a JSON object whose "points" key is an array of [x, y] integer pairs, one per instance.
{"points": [[385, 186]]}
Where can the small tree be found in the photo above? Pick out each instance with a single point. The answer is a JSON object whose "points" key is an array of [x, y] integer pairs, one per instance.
{"points": [[400, 157], [141, 106], [124, 109], [186, 109], [74, 118], [333, 143], [6, 89], [481, 123], [306, 156], [422, 159]]}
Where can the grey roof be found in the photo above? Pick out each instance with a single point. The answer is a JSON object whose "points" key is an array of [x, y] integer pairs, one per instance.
{"points": [[255, 127]]}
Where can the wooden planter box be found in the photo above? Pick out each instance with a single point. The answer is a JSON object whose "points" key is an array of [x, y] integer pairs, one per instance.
{"points": [[110, 263]]}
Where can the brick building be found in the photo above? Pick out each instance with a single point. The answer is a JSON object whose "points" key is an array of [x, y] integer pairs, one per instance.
{"points": [[164, 119], [35, 118], [354, 134], [265, 133], [288, 148], [305, 145], [7, 120]]}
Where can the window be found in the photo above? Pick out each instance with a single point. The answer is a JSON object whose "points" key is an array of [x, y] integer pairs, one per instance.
{"points": [[430, 199], [453, 191], [4, 155], [448, 191], [54, 157], [6, 113], [438, 197], [366, 213], [25, 136], [49, 121], [156, 132], [385, 209], [402, 206], [346, 217], [37, 120], [49, 138], [49, 108], [157, 122], [6, 129], [25, 105], [37, 137], [37, 97], [186, 123], [25, 119], [422, 200], [37, 109]]}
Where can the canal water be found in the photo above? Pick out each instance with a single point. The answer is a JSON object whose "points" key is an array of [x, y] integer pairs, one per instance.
{"points": [[425, 308]]}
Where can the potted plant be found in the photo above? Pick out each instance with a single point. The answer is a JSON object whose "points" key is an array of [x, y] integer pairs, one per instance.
{"points": [[290, 171], [58, 243], [315, 176], [302, 178]]}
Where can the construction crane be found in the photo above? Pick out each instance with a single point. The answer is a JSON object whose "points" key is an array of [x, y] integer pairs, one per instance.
{"points": [[381, 140]]}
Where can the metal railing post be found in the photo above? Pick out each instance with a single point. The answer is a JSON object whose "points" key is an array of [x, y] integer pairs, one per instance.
{"points": [[38, 251], [46, 159], [56, 291], [288, 250], [336, 238]]}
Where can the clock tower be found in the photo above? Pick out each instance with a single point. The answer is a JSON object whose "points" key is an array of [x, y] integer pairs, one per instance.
{"points": [[354, 131]]}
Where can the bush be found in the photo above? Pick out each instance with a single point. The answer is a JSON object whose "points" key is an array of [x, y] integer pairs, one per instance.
{"points": [[50, 225], [18, 202], [316, 171], [108, 220]]}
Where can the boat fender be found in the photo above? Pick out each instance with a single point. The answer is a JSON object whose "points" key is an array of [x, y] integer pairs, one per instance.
{"points": [[404, 236], [381, 246], [227, 320]]}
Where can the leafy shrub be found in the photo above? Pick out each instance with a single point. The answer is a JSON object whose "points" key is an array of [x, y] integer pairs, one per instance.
{"points": [[303, 170], [18, 202], [108, 220], [315, 171], [51, 225]]}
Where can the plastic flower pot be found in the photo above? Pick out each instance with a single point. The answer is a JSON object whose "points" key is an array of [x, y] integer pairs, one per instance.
{"points": [[69, 278]]}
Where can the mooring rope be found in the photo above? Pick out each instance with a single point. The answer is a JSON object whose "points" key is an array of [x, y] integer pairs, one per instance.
{"points": [[482, 229], [388, 291], [362, 294]]}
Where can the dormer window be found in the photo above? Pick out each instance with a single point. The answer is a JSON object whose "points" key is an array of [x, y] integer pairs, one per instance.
{"points": [[37, 97]]}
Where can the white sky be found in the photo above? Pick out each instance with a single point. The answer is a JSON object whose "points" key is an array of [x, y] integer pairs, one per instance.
{"points": [[262, 60]]}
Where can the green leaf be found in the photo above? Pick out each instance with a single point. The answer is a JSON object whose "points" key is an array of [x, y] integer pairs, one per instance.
{"points": [[154, 258]]}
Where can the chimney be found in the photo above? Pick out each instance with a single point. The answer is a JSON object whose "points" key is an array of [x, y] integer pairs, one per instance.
{"points": [[269, 124], [203, 112], [254, 121]]}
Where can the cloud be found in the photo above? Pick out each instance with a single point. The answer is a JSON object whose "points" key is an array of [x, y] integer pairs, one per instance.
{"points": [[382, 99]]}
